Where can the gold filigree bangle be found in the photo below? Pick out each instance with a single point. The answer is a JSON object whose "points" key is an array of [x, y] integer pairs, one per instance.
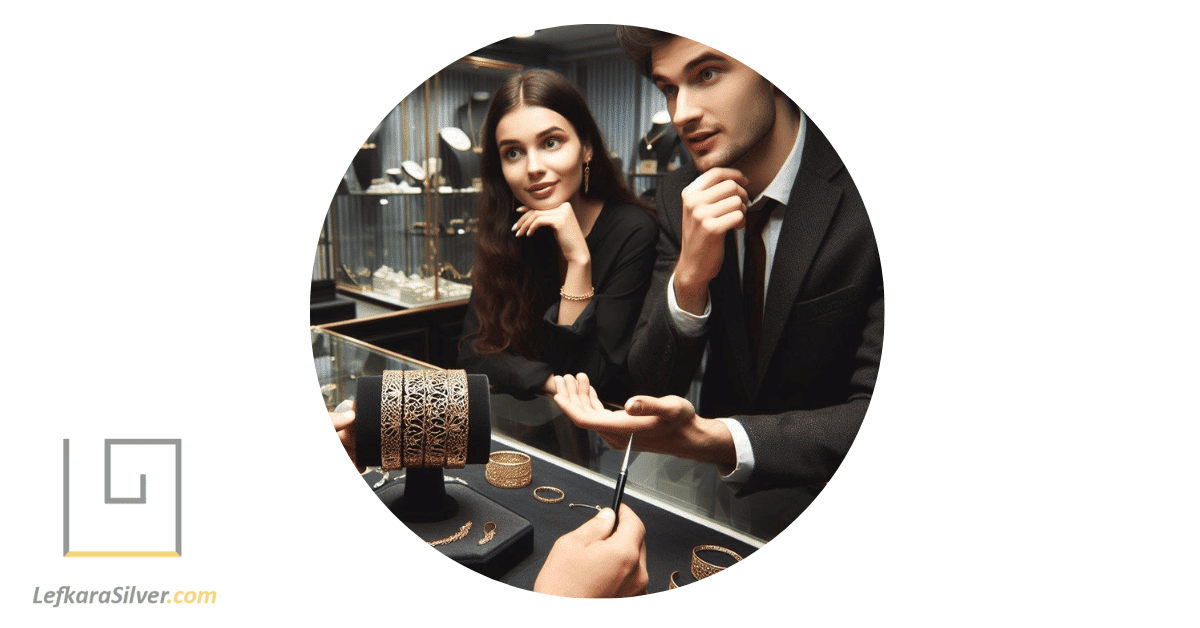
{"points": [[457, 419], [671, 584], [549, 500], [461, 534], [508, 469], [436, 405], [414, 419], [391, 432], [701, 568]]}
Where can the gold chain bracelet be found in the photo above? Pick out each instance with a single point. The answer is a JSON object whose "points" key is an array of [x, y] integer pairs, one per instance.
{"points": [[577, 297]]}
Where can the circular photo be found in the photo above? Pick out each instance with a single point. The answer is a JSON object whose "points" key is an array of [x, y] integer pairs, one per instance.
{"points": [[597, 311]]}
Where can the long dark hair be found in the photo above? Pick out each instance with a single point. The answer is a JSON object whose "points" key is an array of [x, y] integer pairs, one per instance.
{"points": [[505, 291]]}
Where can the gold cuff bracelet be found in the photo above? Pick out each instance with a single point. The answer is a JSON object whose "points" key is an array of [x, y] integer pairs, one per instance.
{"points": [[508, 469], [457, 419], [391, 433], [436, 404], [701, 568], [414, 419]]}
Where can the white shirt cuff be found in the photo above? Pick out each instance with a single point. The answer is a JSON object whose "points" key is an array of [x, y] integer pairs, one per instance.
{"points": [[745, 455], [686, 323]]}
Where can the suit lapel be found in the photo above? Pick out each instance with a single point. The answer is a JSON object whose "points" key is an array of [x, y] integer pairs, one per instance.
{"points": [[809, 211]]}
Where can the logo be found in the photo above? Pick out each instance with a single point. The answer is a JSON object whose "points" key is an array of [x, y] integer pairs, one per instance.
{"points": [[124, 517]]}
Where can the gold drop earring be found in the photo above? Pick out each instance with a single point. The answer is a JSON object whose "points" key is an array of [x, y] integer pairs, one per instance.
{"points": [[587, 172]]}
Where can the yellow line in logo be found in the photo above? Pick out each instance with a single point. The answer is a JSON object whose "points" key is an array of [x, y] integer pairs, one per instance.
{"points": [[122, 555]]}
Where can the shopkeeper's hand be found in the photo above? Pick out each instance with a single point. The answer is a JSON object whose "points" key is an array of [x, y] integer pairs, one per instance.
{"points": [[587, 562], [566, 230], [664, 425], [343, 422]]}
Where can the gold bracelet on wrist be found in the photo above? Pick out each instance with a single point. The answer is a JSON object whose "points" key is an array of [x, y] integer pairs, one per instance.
{"points": [[577, 297]]}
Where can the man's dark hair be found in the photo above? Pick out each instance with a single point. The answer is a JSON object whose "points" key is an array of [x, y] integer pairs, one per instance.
{"points": [[639, 42]]}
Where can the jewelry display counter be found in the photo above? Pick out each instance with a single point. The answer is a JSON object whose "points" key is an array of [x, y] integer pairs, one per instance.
{"points": [[428, 334], [671, 533], [570, 473]]}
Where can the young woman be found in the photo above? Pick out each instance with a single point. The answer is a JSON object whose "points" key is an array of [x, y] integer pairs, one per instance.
{"points": [[564, 250]]}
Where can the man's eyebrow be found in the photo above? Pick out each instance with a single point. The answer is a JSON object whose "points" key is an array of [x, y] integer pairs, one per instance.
{"points": [[708, 57]]}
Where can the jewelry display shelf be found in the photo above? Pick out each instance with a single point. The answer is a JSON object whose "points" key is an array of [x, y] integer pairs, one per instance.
{"points": [[416, 219], [387, 299]]}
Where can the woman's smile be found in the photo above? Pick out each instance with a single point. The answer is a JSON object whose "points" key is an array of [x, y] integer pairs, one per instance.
{"points": [[541, 156]]}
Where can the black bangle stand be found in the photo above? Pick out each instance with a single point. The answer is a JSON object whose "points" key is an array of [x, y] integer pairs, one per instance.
{"points": [[435, 509]]}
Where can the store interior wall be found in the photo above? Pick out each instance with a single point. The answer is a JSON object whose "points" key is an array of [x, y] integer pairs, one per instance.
{"points": [[621, 100]]}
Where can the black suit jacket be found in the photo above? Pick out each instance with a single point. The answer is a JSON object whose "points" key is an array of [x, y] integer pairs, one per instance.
{"points": [[822, 334]]}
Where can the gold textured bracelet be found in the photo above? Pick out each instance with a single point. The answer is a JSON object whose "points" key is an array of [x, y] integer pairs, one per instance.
{"points": [[701, 568], [414, 419], [577, 297], [436, 404], [549, 500], [458, 418], [508, 469], [461, 534], [391, 433]]}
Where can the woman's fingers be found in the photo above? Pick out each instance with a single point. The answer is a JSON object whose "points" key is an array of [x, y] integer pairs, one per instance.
{"points": [[531, 220]]}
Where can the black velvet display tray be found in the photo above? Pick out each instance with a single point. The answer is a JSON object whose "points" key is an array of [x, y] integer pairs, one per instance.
{"points": [[512, 543], [669, 536]]}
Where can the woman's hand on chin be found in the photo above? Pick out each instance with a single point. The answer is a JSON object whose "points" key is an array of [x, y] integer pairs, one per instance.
{"points": [[566, 230]]}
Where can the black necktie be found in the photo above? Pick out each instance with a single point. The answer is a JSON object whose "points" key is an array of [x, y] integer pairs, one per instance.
{"points": [[754, 271]]}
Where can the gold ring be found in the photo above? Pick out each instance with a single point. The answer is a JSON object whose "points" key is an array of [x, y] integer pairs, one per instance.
{"points": [[508, 469], [701, 568], [549, 500], [671, 584]]}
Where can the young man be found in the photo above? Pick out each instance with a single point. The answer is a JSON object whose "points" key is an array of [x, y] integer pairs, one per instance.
{"points": [[767, 260]]}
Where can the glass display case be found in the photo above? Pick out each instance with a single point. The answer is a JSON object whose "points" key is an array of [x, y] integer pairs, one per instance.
{"points": [[689, 489], [403, 220]]}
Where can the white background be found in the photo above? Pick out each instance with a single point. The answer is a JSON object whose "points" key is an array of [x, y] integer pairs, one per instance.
{"points": [[1029, 168]]}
